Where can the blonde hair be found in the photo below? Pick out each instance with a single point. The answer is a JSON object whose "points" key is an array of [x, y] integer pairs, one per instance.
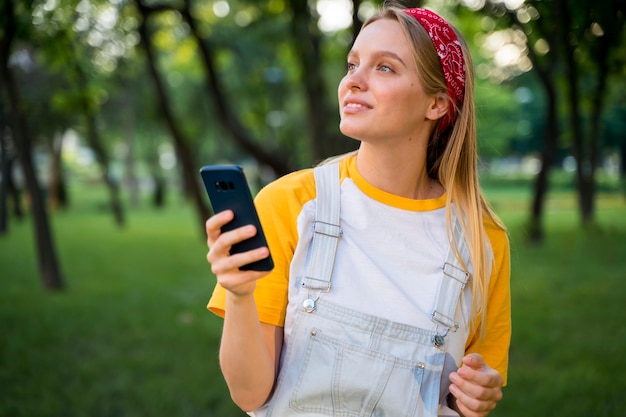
{"points": [[452, 158]]}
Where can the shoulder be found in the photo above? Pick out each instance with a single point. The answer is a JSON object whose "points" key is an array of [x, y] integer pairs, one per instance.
{"points": [[298, 186], [295, 188], [280, 204]]}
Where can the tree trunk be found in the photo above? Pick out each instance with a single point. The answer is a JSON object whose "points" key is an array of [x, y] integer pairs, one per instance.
{"points": [[46, 253], [189, 173], [130, 175], [95, 143], [545, 72], [597, 108], [15, 192], [97, 146], [158, 182], [58, 191], [304, 29], [273, 158], [4, 184], [622, 166], [584, 171], [547, 159]]}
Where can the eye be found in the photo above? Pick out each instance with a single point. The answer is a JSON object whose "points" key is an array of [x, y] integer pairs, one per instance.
{"points": [[351, 66], [384, 68]]}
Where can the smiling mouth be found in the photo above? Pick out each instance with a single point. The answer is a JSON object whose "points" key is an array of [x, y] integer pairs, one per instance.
{"points": [[355, 106]]}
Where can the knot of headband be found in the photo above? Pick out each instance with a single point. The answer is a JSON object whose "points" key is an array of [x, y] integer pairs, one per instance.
{"points": [[450, 55]]}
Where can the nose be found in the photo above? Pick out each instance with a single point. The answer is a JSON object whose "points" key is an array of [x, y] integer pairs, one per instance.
{"points": [[355, 79]]}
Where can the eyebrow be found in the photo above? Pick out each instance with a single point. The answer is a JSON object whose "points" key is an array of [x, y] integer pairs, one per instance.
{"points": [[381, 54]]}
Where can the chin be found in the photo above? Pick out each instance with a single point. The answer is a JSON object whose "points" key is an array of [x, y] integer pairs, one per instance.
{"points": [[351, 132]]}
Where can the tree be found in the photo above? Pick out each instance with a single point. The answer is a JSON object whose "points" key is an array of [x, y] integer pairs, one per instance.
{"points": [[51, 275], [75, 100], [180, 143], [572, 49], [594, 32], [547, 72], [274, 158], [304, 30]]}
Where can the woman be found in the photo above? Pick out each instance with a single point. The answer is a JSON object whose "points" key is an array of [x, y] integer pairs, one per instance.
{"points": [[390, 292]]}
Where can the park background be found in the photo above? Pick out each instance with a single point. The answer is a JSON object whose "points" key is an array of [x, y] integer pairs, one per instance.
{"points": [[109, 108]]}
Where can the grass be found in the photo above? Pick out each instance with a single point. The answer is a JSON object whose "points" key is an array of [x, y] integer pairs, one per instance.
{"points": [[131, 336], [568, 297]]}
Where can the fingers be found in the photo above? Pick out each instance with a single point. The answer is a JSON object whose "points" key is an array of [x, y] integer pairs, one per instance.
{"points": [[470, 406], [476, 386], [226, 266], [476, 371], [224, 263], [474, 360], [480, 387], [220, 243], [214, 225]]}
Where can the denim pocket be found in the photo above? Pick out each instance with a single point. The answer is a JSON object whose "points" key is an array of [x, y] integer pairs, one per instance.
{"points": [[339, 378]]}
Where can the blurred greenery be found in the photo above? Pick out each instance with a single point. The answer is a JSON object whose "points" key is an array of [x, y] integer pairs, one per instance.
{"points": [[131, 335]]}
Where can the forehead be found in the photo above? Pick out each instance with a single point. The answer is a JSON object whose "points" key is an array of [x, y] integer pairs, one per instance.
{"points": [[386, 35]]}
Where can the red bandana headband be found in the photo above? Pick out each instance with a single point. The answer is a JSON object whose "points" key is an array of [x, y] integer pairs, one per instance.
{"points": [[450, 55]]}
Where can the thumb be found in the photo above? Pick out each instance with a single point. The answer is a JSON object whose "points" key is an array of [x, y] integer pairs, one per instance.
{"points": [[474, 361]]}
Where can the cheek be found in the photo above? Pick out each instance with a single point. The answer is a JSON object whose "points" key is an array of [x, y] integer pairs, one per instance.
{"points": [[405, 101], [341, 88]]}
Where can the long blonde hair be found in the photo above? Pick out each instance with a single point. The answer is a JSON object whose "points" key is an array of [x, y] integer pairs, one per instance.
{"points": [[452, 158]]}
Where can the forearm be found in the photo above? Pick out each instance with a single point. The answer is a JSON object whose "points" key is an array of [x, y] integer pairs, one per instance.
{"points": [[247, 362]]}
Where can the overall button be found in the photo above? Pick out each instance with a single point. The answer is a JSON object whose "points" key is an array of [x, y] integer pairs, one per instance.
{"points": [[438, 340], [309, 305]]}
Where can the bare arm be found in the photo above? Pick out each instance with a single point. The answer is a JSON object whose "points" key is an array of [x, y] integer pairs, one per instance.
{"points": [[249, 350], [249, 353]]}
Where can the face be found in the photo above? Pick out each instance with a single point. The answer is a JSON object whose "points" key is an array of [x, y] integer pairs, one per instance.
{"points": [[381, 97]]}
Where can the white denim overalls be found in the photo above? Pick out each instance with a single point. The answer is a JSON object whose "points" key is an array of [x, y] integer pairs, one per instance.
{"points": [[341, 362]]}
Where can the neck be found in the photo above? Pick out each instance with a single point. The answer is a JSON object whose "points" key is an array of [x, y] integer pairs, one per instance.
{"points": [[399, 171]]}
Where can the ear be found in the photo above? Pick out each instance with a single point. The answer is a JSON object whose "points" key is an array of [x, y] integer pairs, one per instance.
{"points": [[438, 107]]}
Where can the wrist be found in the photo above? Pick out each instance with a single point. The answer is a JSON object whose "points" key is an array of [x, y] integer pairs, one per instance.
{"points": [[239, 297]]}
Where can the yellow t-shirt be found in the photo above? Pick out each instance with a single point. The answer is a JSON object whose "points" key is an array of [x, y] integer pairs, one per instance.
{"points": [[383, 236]]}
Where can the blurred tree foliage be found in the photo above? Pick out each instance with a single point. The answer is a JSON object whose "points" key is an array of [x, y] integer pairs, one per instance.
{"points": [[576, 51], [148, 91]]}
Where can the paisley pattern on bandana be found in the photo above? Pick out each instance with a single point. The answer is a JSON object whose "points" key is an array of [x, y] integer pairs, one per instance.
{"points": [[450, 55]]}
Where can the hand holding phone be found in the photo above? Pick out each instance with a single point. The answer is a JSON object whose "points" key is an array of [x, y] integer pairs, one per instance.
{"points": [[228, 189]]}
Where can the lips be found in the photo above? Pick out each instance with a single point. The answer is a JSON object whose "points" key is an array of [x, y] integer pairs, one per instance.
{"points": [[354, 106]]}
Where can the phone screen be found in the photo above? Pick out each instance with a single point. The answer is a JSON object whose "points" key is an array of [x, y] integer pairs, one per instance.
{"points": [[228, 189]]}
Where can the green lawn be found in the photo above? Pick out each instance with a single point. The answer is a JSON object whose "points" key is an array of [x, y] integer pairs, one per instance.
{"points": [[568, 298], [131, 336]]}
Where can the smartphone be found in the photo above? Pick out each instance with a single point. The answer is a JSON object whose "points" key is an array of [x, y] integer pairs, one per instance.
{"points": [[228, 189]]}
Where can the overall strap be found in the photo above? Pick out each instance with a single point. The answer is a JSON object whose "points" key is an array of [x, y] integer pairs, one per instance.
{"points": [[452, 283], [326, 229]]}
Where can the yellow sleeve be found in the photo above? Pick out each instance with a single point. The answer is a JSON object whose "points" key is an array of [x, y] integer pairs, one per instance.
{"points": [[279, 205], [494, 346]]}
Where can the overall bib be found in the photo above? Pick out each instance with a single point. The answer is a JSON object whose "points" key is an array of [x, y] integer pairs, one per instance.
{"points": [[341, 362]]}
